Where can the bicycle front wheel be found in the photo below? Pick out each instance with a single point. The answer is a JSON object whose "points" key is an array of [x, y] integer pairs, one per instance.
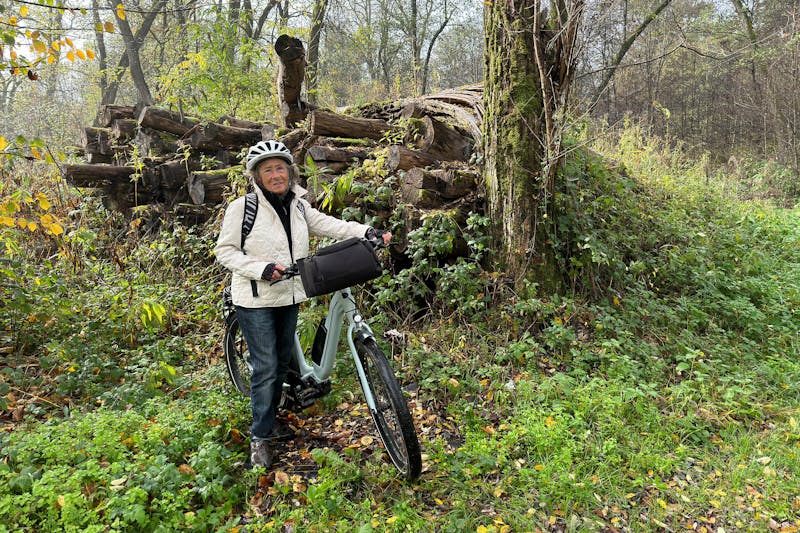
{"points": [[391, 414], [237, 356]]}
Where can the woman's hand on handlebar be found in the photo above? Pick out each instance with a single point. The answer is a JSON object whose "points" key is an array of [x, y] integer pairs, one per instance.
{"points": [[278, 273], [378, 237]]}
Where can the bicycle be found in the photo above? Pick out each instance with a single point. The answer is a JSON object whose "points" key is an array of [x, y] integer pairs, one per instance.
{"points": [[309, 380]]}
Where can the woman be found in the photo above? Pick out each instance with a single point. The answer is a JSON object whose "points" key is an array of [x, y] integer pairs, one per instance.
{"points": [[268, 312]]}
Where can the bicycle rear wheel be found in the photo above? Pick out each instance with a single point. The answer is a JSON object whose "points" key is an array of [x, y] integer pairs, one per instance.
{"points": [[391, 415], [237, 356]]}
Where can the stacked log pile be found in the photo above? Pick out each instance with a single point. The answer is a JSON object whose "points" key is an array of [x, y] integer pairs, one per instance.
{"points": [[156, 156]]}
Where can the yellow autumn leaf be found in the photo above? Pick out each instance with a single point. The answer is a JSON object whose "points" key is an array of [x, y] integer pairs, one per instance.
{"points": [[55, 229], [482, 529], [71, 56], [14, 54], [51, 59], [80, 54], [7, 221], [3, 143], [69, 42], [39, 47], [12, 21], [23, 11], [55, 45], [98, 26], [32, 226], [36, 153], [47, 219], [391, 520], [89, 54], [109, 27], [121, 11], [44, 203]]}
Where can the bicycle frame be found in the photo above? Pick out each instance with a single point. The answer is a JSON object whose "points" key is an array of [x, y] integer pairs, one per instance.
{"points": [[342, 306]]}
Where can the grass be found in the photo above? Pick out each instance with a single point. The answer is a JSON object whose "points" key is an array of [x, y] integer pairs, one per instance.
{"points": [[661, 394]]}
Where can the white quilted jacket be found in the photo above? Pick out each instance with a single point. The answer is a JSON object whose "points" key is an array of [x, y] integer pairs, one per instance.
{"points": [[267, 243]]}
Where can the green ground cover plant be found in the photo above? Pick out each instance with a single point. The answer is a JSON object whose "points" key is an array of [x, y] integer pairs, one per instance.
{"points": [[658, 392]]}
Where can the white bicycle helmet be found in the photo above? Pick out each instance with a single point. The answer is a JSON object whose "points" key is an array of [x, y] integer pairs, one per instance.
{"points": [[266, 149]]}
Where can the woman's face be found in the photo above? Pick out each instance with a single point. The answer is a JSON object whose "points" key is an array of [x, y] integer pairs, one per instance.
{"points": [[273, 174]]}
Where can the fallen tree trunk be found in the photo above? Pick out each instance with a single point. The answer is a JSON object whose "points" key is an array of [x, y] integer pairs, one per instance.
{"points": [[207, 186], [401, 158], [329, 124], [156, 142], [112, 112], [124, 129], [442, 141], [215, 136], [165, 120], [229, 120], [97, 175], [175, 174], [447, 184], [96, 140]]}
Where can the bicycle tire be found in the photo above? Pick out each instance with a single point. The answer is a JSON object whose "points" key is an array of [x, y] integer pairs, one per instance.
{"points": [[237, 356], [392, 417]]}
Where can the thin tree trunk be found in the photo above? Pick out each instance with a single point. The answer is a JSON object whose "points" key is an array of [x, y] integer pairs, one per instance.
{"points": [[623, 49], [312, 69]]}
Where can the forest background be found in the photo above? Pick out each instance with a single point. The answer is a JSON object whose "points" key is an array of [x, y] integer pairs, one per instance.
{"points": [[658, 392]]}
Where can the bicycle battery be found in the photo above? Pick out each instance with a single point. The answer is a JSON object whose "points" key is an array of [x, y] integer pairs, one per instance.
{"points": [[340, 265]]}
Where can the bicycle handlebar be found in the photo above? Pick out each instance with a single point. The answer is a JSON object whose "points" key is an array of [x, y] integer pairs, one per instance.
{"points": [[293, 270]]}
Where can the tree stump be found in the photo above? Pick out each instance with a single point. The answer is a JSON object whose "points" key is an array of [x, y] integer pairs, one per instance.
{"points": [[291, 73]]}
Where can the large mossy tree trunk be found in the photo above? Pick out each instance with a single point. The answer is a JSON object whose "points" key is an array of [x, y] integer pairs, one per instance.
{"points": [[528, 73], [513, 149]]}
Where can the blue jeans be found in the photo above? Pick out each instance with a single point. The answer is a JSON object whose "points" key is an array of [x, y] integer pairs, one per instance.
{"points": [[269, 333]]}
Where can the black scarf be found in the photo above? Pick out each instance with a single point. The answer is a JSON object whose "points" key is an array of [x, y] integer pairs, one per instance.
{"points": [[281, 204]]}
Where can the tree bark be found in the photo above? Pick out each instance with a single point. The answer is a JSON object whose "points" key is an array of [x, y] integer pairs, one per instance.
{"points": [[448, 184], [317, 21], [228, 120], [442, 141], [217, 136], [208, 186], [96, 140], [132, 46], [154, 142], [165, 120], [124, 129], [291, 72], [97, 175], [175, 174], [518, 195], [110, 112], [325, 123], [401, 158]]}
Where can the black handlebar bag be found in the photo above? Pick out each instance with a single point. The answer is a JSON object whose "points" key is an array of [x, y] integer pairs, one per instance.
{"points": [[343, 264]]}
